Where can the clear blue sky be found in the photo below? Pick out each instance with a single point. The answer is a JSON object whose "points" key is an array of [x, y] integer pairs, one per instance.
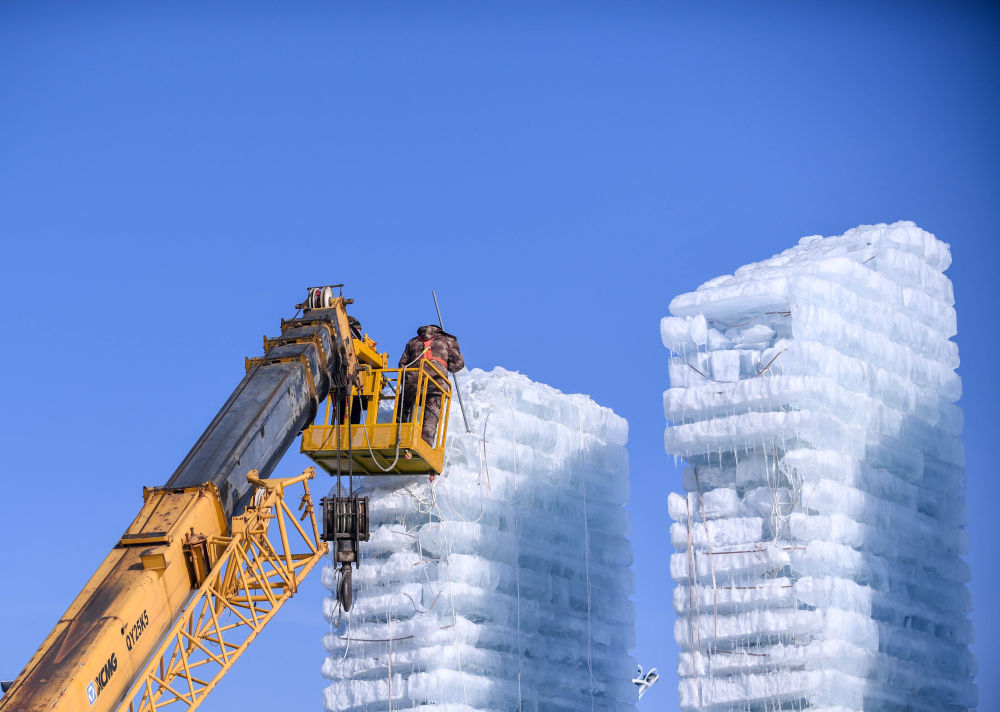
{"points": [[172, 175]]}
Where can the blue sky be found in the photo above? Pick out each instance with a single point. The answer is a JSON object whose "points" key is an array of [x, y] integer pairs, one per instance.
{"points": [[172, 175]]}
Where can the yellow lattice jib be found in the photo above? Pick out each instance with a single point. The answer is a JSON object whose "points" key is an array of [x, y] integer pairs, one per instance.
{"points": [[249, 576]]}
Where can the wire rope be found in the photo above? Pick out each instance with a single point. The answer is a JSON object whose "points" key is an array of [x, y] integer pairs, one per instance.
{"points": [[586, 554], [517, 544]]}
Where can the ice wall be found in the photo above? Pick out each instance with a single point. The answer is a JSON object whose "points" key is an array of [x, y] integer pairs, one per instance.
{"points": [[505, 584], [820, 537]]}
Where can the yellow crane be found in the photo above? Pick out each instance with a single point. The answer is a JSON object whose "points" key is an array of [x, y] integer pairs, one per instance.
{"points": [[212, 555]]}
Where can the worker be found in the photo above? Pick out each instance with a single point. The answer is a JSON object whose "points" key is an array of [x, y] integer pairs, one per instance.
{"points": [[434, 344], [355, 327], [340, 392]]}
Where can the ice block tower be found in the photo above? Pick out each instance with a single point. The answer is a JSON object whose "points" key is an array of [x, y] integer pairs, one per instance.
{"points": [[820, 535], [504, 584]]}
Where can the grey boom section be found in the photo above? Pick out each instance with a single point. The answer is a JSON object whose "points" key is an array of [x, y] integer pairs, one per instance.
{"points": [[269, 408]]}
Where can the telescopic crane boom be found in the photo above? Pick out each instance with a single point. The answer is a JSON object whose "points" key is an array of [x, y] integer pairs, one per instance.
{"points": [[214, 553]]}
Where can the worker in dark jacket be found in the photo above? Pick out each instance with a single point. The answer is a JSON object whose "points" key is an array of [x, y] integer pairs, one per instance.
{"points": [[434, 344], [340, 393], [355, 325]]}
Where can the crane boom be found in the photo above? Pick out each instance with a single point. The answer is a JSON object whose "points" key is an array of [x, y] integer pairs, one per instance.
{"points": [[96, 650], [277, 398]]}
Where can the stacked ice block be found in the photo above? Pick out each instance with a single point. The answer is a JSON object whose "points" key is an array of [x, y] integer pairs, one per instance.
{"points": [[504, 584], [820, 537]]}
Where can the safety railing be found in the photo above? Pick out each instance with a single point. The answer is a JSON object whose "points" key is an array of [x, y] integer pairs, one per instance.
{"points": [[397, 409]]}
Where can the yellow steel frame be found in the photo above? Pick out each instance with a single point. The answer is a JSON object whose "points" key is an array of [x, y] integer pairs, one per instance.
{"points": [[373, 445], [368, 354], [253, 574]]}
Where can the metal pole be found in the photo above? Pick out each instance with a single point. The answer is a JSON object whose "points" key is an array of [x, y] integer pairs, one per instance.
{"points": [[453, 375]]}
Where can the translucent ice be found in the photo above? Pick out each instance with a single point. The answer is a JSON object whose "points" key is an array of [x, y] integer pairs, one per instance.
{"points": [[819, 539], [505, 583]]}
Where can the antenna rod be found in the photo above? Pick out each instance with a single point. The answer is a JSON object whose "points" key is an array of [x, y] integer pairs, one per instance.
{"points": [[455, 376]]}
